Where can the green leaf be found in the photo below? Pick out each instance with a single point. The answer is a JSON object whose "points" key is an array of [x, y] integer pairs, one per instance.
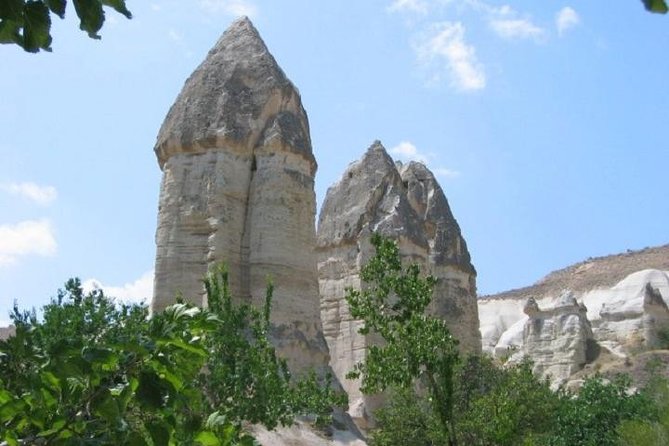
{"points": [[216, 420], [50, 380], [207, 438], [149, 392], [159, 433], [36, 27], [164, 373], [57, 7], [658, 6], [9, 32], [91, 16], [104, 357], [12, 10], [105, 406], [11, 409], [55, 427], [119, 6], [200, 351], [136, 439]]}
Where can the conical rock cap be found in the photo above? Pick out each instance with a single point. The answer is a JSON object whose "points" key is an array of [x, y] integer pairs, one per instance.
{"points": [[237, 98]]}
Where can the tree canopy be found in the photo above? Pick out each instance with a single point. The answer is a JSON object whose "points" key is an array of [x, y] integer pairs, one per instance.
{"points": [[92, 372], [659, 6], [27, 23]]}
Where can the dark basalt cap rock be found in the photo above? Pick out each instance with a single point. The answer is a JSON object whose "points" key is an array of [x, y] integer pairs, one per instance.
{"points": [[238, 98]]}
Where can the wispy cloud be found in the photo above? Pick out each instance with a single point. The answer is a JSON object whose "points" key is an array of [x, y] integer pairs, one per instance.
{"points": [[30, 237], [230, 7], [413, 6], [42, 195], [565, 19], [516, 29], [442, 49], [508, 23], [140, 290], [407, 151]]}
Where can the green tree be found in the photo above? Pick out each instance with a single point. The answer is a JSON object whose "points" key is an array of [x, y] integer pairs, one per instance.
{"points": [[93, 372], [245, 379], [493, 406], [505, 407], [27, 23], [416, 348], [592, 416]]}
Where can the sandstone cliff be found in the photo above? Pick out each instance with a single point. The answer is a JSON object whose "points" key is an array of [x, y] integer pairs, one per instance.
{"points": [[405, 203], [238, 187], [623, 309]]}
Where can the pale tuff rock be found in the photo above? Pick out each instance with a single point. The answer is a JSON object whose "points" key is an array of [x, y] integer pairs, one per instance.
{"points": [[407, 204], [629, 315], [561, 334], [238, 188], [558, 338], [6, 332]]}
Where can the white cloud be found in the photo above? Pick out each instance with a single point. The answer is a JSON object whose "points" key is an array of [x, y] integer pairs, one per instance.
{"points": [[155, 7], [417, 6], [566, 19], [230, 7], [141, 290], [509, 24], [31, 237], [443, 48], [42, 195], [516, 29], [408, 151]]}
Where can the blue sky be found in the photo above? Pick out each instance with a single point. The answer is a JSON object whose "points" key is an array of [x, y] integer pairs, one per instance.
{"points": [[546, 123]]}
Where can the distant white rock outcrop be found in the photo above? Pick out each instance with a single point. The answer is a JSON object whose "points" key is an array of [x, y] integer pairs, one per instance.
{"points": [[563, 329]]}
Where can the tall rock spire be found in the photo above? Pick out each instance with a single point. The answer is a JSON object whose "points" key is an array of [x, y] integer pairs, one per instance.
{"points": [[406, 203], [238, 96], [238, 187]]}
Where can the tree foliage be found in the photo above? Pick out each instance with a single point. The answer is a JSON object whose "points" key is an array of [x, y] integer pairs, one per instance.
{"points": [[439, 399], [94, 373], [27, 23], [659, 6], [415, 347]]}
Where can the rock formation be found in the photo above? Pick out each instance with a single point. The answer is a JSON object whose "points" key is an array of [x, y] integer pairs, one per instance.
{"points": [[238, 188], [558, 339], [6, 332], [406, 203], [626, 312]]}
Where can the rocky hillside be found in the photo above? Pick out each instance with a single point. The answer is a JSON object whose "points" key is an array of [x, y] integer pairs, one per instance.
{"points": [[595, 272], [609, 307]]}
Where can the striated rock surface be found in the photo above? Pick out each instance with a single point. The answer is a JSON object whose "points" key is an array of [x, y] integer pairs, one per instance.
{"points": [[558, 338], [625, 297], [238, 187], [406, 203]]}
